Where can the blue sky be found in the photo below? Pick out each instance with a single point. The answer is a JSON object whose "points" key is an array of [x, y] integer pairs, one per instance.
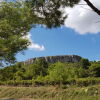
{"points": [[63, 41], [80, 35]]}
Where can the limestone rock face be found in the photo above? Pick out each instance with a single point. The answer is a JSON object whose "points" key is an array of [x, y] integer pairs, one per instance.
{"points": [[53, 59]]}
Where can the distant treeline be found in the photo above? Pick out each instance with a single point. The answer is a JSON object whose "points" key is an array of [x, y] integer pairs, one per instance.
{"points": [[82, 73]]}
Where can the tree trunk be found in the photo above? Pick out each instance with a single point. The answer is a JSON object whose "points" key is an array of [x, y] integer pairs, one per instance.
{"points": [[95, 9]]}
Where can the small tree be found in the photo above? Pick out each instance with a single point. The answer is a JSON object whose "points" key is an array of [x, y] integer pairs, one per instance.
{"points": [[95, 70], [16, 20], [41, 67], [19, 75], [58, 73], [84, 63]]}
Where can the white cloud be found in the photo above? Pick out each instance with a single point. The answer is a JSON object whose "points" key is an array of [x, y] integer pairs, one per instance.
{"points": [[34, 46], [82, 19]]}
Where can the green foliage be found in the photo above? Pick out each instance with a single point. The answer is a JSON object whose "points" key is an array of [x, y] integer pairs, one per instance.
{"points": [[18, 75], [17, 18], [95, 70], [42, 73], [87, 81], [58, 72], [14, 25], [39, 68], [18, 83], [51, 16], [82, 73], [85, 63]]}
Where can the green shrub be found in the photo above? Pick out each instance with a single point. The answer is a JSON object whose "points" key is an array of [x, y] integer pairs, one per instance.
{"points": [[85, 63], [87, 81], [94, 70]]}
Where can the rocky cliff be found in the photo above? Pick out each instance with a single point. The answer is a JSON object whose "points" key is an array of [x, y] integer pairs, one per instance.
{"points": [[53, 59]]}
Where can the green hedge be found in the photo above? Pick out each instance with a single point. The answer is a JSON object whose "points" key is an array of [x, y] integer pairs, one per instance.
{"points": [[17, 83], [87, 81], [78, 82]]}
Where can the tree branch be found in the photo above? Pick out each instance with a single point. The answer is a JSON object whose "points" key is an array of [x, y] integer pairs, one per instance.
{"points": [[95, 9]]}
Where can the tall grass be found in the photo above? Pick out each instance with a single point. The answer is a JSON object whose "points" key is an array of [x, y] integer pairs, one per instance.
{"points": [[51, 93]]}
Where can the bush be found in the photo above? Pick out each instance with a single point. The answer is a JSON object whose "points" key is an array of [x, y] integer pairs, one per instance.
{"points": [[87, 81], [95, 70], [58, 73], [39, 80], [17, 83], [85, 63]]}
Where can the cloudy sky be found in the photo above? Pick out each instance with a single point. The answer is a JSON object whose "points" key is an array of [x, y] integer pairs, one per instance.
{"points": [[82, 19], [79, 36]]}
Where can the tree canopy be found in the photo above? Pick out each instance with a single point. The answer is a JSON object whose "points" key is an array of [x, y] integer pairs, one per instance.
{"points": [[15, 23], [17, 18], [49, 10]]}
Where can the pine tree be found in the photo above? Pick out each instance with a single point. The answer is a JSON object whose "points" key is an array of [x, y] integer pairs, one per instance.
{"points": [[15, 23]]}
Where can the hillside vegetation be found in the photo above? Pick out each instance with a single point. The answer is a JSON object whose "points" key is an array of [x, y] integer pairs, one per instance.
{"points": [[41, 73], [47, 81]]}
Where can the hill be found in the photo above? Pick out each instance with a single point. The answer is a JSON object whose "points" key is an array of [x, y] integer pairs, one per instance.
{"points": [[68, 69], [54, 59], [71, 76]]}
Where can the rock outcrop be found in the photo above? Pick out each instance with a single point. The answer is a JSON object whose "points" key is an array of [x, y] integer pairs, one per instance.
{"points": [[53, 59]]}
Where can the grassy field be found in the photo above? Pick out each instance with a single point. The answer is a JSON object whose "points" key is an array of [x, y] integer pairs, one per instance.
{"points": [[51, 93]]}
